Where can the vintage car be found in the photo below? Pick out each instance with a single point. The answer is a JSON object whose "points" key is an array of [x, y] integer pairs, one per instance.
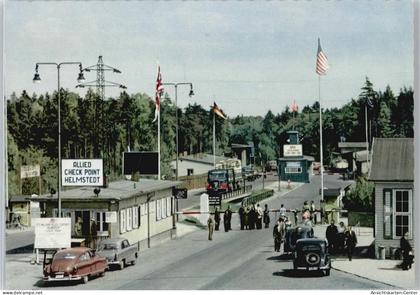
{"points": [[118, 251], [312, 254], [74, 264], [294, 234]]}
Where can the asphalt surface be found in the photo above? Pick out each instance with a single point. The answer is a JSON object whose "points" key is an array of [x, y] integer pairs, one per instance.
{"points": [[233, 260]]}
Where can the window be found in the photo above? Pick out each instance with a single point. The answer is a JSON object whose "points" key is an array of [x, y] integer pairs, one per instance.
{"points": [[100, 221], [163, 201], [158, 210], [402, 212], [122, 221], [293, 170], [129, 219], [135, 217], [168, 206]]}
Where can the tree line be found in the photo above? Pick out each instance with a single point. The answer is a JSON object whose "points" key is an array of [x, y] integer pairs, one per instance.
{"points": [[96, 128]]}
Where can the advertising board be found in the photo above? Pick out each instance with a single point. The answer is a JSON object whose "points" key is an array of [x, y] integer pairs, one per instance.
{"points": [[82, 172]]}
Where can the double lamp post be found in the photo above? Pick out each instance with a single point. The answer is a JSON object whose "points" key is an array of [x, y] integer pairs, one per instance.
{"points": [[37, 79]]}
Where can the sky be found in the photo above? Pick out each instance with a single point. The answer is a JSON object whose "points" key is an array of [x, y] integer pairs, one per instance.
{"points": [[248, 56]]}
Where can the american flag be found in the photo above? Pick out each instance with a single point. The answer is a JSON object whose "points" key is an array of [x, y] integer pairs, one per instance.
{"points": [[159, 91], [321, 61], [294, 107], [218, 111]]}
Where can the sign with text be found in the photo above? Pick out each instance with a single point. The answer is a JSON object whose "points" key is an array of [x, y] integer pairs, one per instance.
{"points": [[111, 217], [52, 233], [82, 172], [215, 199], [30, 171], [292, 150]]}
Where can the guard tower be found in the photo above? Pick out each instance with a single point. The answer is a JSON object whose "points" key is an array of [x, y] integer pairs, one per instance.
{"points": [[294, 166]]}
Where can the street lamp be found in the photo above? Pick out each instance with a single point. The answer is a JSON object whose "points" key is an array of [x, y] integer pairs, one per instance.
{"points": [[191, 93], [80, 79]]}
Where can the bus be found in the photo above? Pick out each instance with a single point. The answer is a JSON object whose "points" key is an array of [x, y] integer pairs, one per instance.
{"points": [[223, 180]]}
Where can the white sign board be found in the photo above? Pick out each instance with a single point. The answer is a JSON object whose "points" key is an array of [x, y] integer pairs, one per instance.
{"points": [[82, 172], [292, 150], [30, 171], [111, 217], [52, 233]]}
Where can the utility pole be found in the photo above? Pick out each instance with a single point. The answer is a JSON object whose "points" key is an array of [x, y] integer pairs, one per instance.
{"points": [[100, 83]]}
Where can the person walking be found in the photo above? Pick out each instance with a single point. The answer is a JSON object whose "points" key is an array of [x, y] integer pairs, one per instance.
{"points": [[331, 235], [340, 237], [306, 206], [266, 216], [282, 210], [351, 241], [313, 211], [406, 251], [241, 213], [278, 234], [252, 218], [259, 216], [93, 233], [210, 225], [226, 220], [229, 212], [246, 218], [217, 218]]}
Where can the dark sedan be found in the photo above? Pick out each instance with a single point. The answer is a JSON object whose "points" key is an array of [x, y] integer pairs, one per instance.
{"points": [[312, 254]]}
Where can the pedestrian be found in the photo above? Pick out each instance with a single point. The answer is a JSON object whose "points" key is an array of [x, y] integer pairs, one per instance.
{"points": [[306, 206], [331, 235], [93, 233], [217, 218], [406, 251], [306, 219], [340, 237], [226, 220], [266, 216], [241, 213], [246, 217], [78, 227], [260, 214], [295, 212], [229, 212], [313, 211], [351, 241], [278, 234], [210, 225], [282, 210], [252, 217]]}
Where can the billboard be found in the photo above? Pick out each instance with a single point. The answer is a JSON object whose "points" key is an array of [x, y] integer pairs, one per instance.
{"points": [[292, 150], [82, 172], [30, 171], [145, 163]]}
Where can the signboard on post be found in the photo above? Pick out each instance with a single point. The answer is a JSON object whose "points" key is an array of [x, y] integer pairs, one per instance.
{"points": [[215, 199], [292, 150], [82, 172], [179, 193], [144, 163], [52, 233], [30, 171]]}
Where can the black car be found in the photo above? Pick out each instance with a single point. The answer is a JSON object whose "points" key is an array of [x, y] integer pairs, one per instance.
{"points": [[312, 254]]}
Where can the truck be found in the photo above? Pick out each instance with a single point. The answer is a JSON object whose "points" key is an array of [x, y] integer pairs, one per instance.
{"points": [[223, 180]]}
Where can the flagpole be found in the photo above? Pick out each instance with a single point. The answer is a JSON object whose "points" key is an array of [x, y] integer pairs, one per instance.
{"points": [[367, 139], [214, 139], [159, 143], [320, 139]]}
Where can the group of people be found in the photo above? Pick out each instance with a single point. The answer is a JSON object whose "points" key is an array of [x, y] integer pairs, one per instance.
{"points": [[341, 239], [250, 217]]}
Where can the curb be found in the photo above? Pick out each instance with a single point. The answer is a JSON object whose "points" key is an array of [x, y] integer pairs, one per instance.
{"points": [[347, 272]]}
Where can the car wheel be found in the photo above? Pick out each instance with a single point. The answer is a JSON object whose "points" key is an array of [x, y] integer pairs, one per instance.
{"points": [[102, 274], [134, 261], [122, 264], [85, 279], [327, 272]]}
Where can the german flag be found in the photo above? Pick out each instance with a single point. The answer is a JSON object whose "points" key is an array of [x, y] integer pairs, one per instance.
{"points": [[218, 111]]}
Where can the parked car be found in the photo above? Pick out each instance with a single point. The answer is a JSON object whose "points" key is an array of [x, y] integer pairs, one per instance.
{"points": [[73, 264], [271, 165], [312, 254], [118, 251], [249, 173]]}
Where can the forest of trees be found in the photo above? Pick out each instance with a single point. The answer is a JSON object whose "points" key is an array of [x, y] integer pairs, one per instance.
{"points": [[93, 128]]}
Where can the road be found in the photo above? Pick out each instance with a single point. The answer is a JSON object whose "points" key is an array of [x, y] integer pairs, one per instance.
{"points": [[233, 260]]}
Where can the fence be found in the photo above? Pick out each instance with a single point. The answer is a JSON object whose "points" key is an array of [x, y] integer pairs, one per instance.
{"points": [[257, 196], [235, 193], [194, 181]]}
